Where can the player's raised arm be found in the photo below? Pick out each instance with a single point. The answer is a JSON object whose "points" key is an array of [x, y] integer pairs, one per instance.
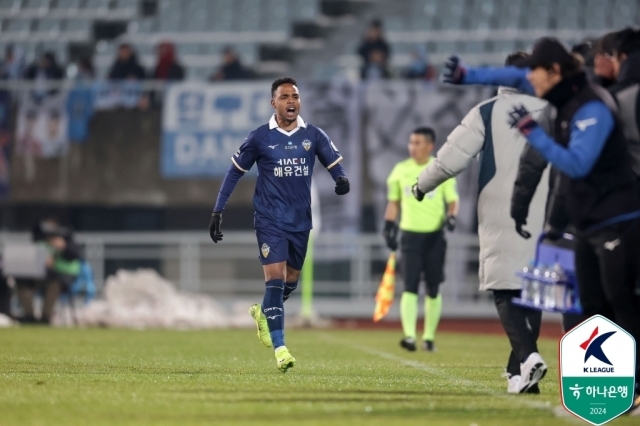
{"points": [[330, 158], [510, 76], [241, 161]]}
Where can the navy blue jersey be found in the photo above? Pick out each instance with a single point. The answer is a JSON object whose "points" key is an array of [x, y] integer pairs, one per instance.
{"points": [[285, 164]]}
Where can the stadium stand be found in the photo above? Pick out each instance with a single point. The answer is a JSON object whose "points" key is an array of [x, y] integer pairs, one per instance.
{"points": [[285, 35]]}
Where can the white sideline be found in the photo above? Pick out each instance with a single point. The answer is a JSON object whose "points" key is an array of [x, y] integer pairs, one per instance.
{"points": [[556, 411]]}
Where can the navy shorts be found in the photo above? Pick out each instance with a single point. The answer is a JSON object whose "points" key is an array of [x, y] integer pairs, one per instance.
{"points": [[276, 245]]}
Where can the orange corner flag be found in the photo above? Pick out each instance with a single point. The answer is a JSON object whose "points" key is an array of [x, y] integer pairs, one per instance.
{"points": [[386, 290]]}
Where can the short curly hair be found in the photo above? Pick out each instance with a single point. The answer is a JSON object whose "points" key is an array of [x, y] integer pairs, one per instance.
{"points": [[280, 81]]}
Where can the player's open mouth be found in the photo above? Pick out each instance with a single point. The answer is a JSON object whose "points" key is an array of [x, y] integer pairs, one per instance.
{"points": [[291, 111]]}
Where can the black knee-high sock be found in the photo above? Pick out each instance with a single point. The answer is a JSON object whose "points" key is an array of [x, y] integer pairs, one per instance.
{"points": [[273, 308]]}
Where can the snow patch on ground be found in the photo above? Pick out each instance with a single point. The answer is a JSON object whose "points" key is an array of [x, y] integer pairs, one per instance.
{"points": [[143, 299]]}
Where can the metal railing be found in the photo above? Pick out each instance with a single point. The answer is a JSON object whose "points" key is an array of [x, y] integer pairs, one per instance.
{"points": [[347, 266]]}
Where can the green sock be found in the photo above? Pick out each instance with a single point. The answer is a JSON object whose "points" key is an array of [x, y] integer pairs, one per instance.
{"points": [[432, 312], [409, 313]]}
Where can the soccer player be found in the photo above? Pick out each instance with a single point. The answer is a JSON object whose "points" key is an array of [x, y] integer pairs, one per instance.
{"points": [[285, 151], [423, 244]]}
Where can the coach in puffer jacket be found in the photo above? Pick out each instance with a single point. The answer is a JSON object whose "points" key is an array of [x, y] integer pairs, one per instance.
{"points": [[484, 133]]}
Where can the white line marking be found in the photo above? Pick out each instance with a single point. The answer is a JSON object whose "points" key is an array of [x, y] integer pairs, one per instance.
{"points": [[459, 381]]}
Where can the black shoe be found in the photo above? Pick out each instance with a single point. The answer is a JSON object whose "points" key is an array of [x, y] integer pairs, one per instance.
{"points": [[533, 389], [429, 346], [408, 344]]}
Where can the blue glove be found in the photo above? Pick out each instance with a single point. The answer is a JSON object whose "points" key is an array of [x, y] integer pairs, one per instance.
{"points": [[455, 70], [521, 119]]}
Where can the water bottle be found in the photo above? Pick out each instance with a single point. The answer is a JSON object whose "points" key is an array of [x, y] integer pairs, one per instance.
{"points": [[561, 291], [548, 289], [525, 294], [536, 287]]}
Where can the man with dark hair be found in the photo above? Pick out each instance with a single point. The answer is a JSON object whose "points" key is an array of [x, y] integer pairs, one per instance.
{"points": [[231, 68], [374, 51], [285, 151], [485, 133], [126, 65], [423, 243]]}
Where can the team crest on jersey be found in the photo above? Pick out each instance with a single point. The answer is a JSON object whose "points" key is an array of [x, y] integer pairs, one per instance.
{"points": [[265, 249], [306, 144]]}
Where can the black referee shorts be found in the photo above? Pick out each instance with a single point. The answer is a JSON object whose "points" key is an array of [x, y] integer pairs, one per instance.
{"points": [[423, 253]]}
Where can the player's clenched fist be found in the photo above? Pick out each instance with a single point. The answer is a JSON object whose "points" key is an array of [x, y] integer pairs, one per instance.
{"points": [[214, 226], [342, 185]]}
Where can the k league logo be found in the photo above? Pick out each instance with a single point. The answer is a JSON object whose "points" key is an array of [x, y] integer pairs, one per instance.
{"points": [[597, 369], [593, 348]]}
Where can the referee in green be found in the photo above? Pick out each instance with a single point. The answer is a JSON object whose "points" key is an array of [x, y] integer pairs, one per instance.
{"points": [[423, 245]]}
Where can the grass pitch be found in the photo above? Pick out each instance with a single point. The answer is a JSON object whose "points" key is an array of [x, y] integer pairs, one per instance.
{"points": [[122, 377]]}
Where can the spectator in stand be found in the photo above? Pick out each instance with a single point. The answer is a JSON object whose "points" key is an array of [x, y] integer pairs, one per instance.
{"points": [[374, 48], [46, 68], [126, 66], [167, 66], [232, 68], [12, 66], [420, 68], [85, 68], [41, 71], [377, 66]]}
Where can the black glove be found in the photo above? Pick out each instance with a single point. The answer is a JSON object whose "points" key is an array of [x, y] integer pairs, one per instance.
{"points": [[391, 234], [523, 232], [521, 119], [450, 223], [342, 185], [455, 70], [417, 193], [214, 227]]}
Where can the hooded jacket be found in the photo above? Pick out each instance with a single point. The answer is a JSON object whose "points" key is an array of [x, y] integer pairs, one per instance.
{"points": [[485, 133]]}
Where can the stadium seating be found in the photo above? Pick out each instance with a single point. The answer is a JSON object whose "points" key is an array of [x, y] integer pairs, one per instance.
{"points": [[201, 28], [474, 29]]}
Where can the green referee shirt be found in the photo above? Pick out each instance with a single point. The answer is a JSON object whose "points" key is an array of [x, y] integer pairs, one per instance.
{"points": [[427, 215]]}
